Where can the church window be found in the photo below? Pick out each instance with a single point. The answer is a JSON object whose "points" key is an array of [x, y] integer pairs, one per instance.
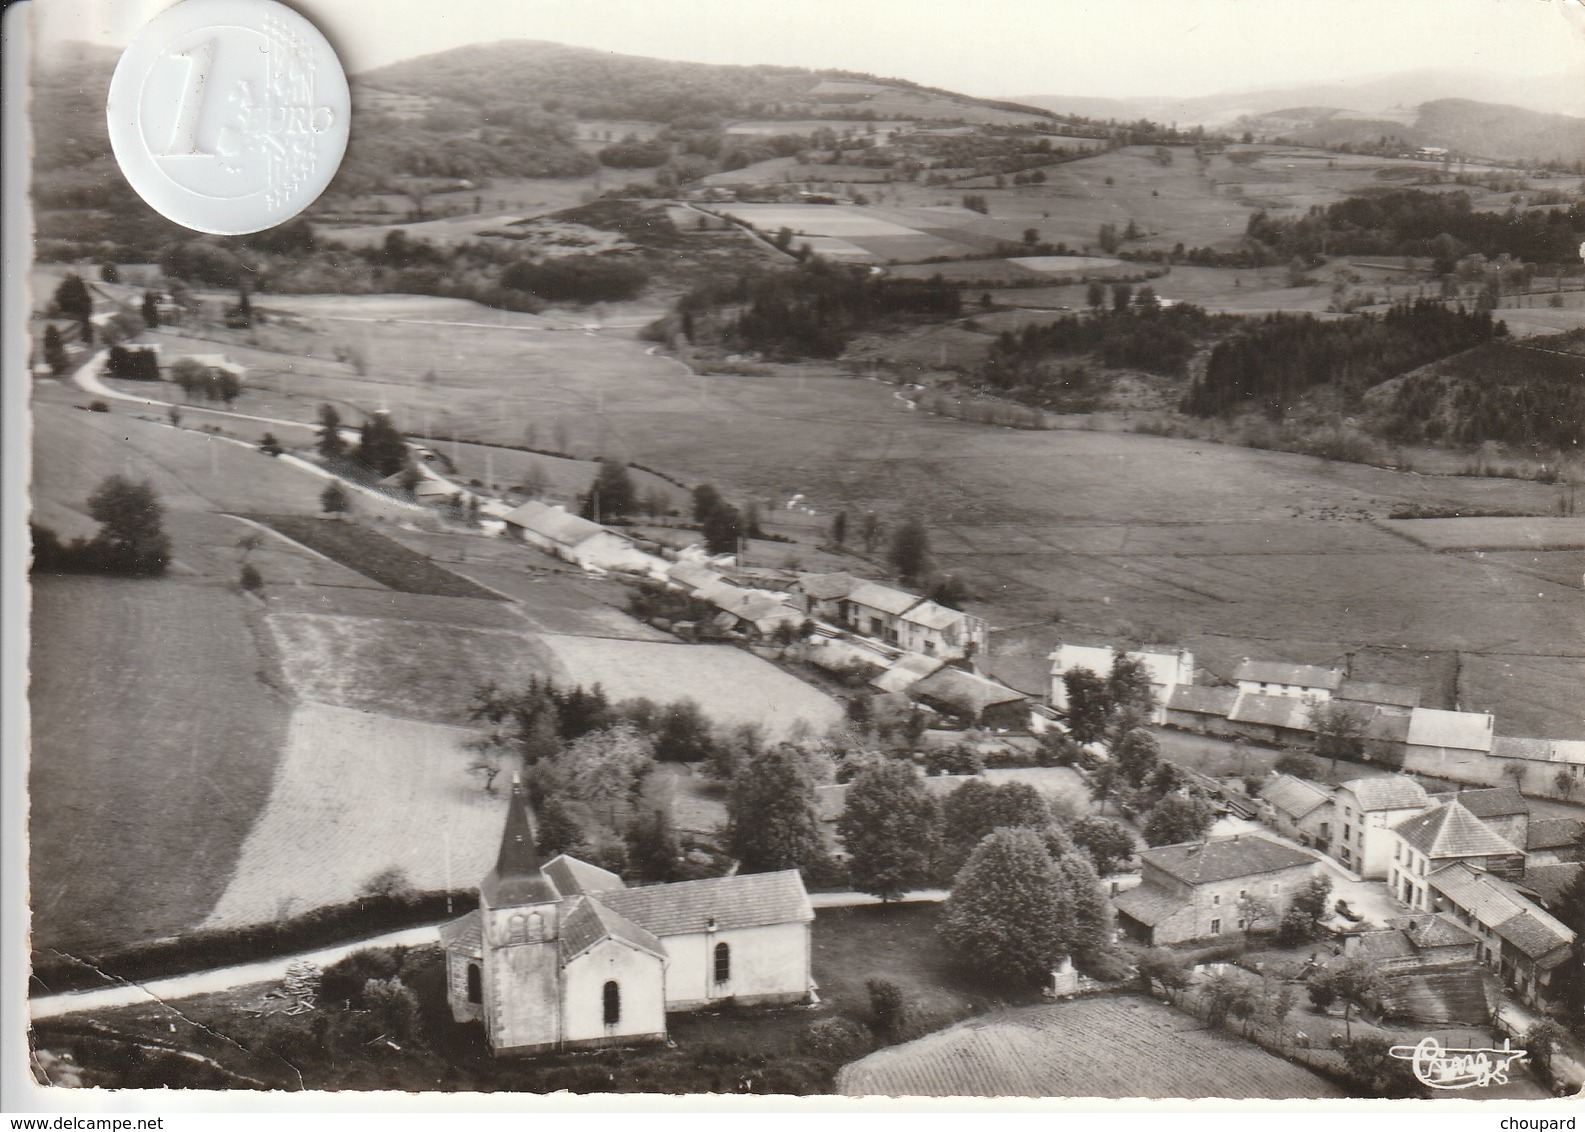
{"points": [[723, 962], [536, 926], [517, 928], [613, 1003], [475, 984]]}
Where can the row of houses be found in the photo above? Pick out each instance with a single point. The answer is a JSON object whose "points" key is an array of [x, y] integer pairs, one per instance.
{"points": [[1468, 855]]}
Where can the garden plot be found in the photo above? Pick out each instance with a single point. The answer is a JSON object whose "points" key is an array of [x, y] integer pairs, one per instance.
{"points": [[1112, 1047], [357, 795], [731, 685]]}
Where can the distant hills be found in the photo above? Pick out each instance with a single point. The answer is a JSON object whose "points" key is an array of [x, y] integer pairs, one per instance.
{"points": [[1471, 112]]}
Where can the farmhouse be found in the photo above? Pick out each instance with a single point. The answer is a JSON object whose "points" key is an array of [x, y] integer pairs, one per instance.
{"points": [[1301, 681], [1502, 809], [1392, 697], [1167, 671], [1524, 944], [936, 630], [1200, 708], [562, 955], [1554, 766], [1298, 810], [1429, 970], [908, 671], [976, 700], [875, 610], [1270, 718], [1438, 838], [1454, 744], [575, 539], [1194, 890], [1366, 809], [1553, 841]]}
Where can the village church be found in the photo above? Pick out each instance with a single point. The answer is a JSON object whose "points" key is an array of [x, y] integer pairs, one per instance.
{"points": [[563, 955]]}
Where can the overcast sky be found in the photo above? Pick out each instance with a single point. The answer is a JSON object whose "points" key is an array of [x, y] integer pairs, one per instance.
{"points": [[1111, 48]]}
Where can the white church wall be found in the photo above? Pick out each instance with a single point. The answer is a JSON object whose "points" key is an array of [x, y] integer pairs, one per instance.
{"points": [[640, 978], [767, 964]]}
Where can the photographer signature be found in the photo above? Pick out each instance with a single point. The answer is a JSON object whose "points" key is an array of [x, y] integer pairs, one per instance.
{"points": [[1446, 1068]]}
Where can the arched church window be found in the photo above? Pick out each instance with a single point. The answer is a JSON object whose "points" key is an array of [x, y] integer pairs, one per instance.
{"points": [[536, 926], [475, 984], [517, 928], [723, 962], [613, 1003]]}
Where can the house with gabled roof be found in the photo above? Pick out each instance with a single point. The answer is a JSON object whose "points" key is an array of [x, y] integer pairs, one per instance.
{"points": [[1501, 808], [1271, 718], [1300, 681], [1397, 698], [976, 700], [1439, 837], [1365, 810], [1297, 809], [562, 954], [575, 539], [1525, 944], [1167, 671], [1201, 707], [1451, 744], [937, 630], [1197, 890], [1553, 841], [1428, 968]]}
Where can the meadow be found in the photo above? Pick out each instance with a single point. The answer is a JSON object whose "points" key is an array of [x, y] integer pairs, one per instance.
{"points": [[156, 726], [1114, 1047]]}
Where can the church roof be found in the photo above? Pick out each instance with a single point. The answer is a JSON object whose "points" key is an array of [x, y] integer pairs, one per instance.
{"points": [[588, 922], [745, 901], [463, 934], [516, 878], [573, 877]]}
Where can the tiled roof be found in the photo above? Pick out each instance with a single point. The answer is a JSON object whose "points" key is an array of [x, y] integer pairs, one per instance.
{"points": [[1387, 695], [1553, 833], [1535, 933], [909, 670], [1549, 882], [964, 691], [750, 900], [1388, 792], [1493, 802], [1203, 700], [464, 934], [694, 575], [1389, 944], [1225, 858], [1440, 930], [1388, 726], [1294, 796], [574, 877], [1030, 675], [1461, 730], [1439, 996], [552, 523], [932, 616], [1150, 906], [1294, 675], [586, 922], [1571, 751], [1499, 906], [827, 587], [1288, 712], [1508, 747], [1452, 831], [873, 595]]}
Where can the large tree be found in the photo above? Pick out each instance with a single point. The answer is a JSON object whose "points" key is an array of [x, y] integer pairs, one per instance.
{"points": [[1129, 697], [55, 351], [1089, 705], [888, 827], [72, 299], [1008, 916], [1176, 819], [612, 494], [332, 445], [381, 445], [909, 554], [131, 538], [771, 820], [1109, 843], [976, 808], [1304, 918]]}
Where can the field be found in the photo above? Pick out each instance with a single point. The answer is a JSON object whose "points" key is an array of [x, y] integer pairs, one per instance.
{"points": [[418, 669], [1113, 1047], [155, 737], [358, 794], [1492, 533], [373, 555], [732, 686]]}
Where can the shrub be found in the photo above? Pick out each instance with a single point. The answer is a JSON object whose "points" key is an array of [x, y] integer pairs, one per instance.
{"points": [[888, 1007], [345, 979], [838, 1040]]}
